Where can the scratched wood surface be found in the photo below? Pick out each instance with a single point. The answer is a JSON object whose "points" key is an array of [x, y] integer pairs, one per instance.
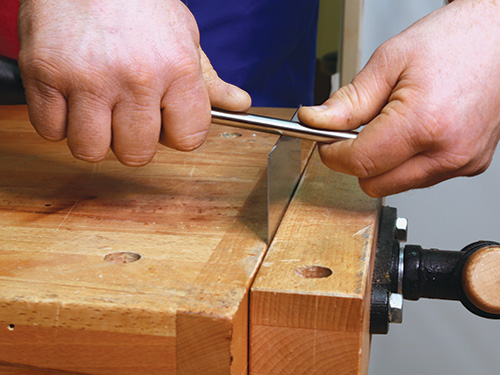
{"points": [[310, 301], [68, 303]]}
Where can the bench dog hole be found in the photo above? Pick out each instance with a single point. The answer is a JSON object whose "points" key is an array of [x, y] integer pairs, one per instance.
{"points": [[313, 272], [230, 135], [122, 257]]}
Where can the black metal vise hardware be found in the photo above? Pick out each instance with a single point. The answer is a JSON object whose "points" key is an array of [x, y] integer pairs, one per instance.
{"points": [[413, 273]]}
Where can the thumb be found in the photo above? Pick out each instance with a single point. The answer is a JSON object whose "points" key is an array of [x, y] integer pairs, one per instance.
{"points": [[360, 101], [222, 94]]}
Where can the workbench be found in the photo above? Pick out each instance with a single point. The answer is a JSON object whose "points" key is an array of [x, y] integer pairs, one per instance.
{"points": [[164, 269]]}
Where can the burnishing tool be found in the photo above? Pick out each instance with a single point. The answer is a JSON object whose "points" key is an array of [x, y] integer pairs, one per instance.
{"points": [[292, 128]]}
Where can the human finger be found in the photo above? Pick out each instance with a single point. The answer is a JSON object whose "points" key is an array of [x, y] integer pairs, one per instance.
{"points": [[421, 171], [360, 101], [222, 94], [185, 109], [136, 130], [47, 109], [89, 126], [393, 137]]}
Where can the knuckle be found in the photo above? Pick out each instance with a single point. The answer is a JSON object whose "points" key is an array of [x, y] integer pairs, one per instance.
{"points": [[451, 163], [363, 164], [45, 67], [36, 60], [415, 132], [479, 165], [383, 53], [138, 75], [460, 161], [480, 169], [186, 67], [353, 161], [432, 130], [351, 97], [187, 79]]}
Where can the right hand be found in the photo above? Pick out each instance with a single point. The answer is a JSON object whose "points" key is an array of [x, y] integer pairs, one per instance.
{"points": [[430, 100], [122, 74]]}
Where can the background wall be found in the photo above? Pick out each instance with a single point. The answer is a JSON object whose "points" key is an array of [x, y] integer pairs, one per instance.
{"points": [[437, 337]]}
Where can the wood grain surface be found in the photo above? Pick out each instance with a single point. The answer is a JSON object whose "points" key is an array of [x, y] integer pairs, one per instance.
{"points": [[310, 301], [107, 269], [196, 221]]}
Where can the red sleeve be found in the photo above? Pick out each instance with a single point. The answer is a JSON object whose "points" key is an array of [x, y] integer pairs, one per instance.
{"points": [[9, 44]]}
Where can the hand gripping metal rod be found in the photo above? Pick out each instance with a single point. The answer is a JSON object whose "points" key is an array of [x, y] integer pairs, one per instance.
{"points": [[278, 126]]}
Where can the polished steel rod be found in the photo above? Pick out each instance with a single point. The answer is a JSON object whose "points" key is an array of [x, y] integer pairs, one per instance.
{"points": [[278, 126]]}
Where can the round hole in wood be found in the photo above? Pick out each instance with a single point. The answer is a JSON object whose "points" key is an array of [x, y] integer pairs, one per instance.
{"points": [[11, 327], [122, 257], [313, 272], [230, 135]]}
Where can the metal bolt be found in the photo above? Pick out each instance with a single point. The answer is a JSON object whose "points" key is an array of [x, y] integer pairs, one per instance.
{"points": [[401, 229], [395, 308]]}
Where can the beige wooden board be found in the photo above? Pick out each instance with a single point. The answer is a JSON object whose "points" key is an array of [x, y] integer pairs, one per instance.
{"points": [[197, 220], [316, 325], [351, 40]]}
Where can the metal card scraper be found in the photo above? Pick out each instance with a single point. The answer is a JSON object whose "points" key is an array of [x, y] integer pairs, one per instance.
{"points": [[283, 174], [284, 160]]}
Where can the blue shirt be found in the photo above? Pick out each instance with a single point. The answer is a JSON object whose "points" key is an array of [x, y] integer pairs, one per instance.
{"points": [[266, 47]]}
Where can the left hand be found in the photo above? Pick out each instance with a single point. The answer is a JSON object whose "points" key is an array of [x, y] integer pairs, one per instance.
{"points": [[119, 74]]}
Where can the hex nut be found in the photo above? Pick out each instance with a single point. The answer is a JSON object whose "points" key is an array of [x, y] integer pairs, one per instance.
{"points": [[401, 229], [395, 308]]}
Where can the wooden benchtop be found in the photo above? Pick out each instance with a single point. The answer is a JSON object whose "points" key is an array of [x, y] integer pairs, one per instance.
{"points": [[196, 220]]}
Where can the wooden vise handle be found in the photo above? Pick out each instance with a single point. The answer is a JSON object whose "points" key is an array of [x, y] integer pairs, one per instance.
{"points": [[471, 276], [481, 279]]}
